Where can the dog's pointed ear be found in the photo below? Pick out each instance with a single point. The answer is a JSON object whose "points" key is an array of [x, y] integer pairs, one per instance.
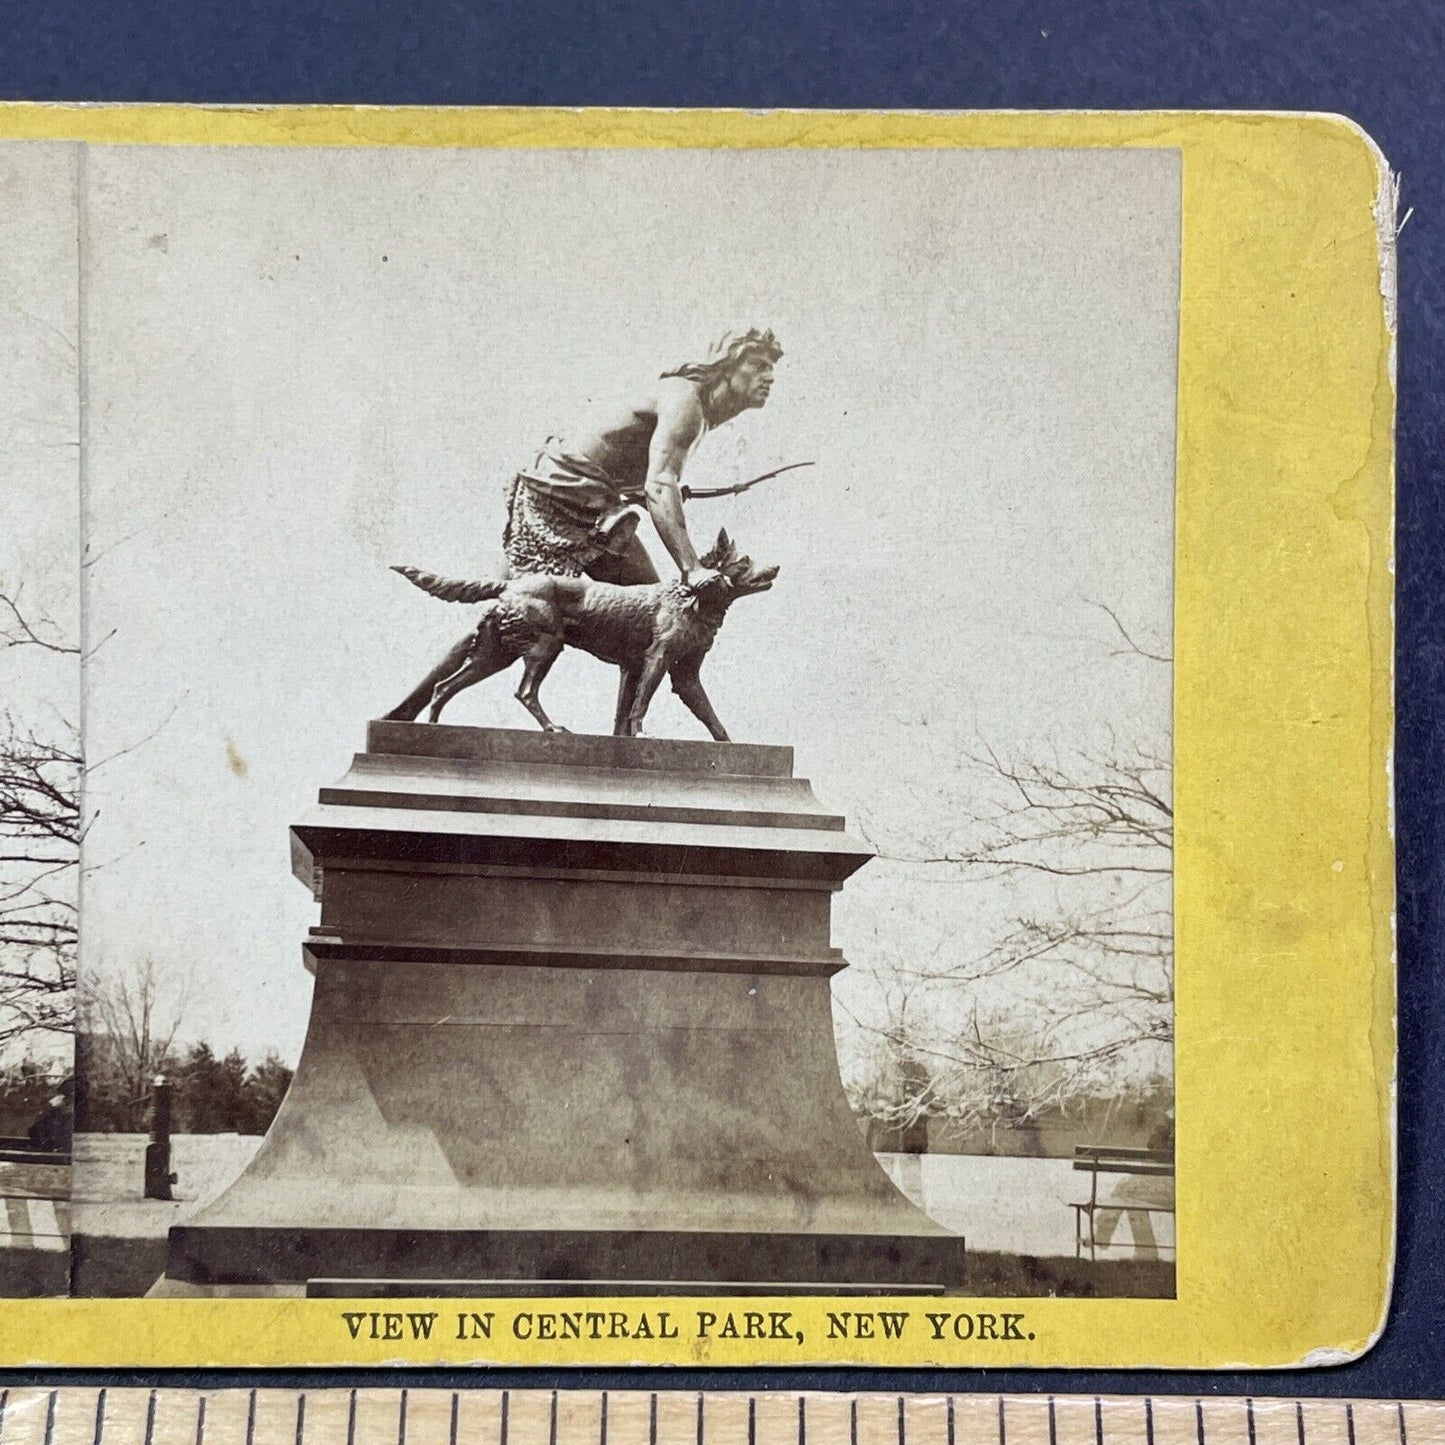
{"points": [[719, 552]]}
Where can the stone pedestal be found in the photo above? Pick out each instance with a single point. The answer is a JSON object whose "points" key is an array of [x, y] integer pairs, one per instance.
{"points": [[571, 1030]]}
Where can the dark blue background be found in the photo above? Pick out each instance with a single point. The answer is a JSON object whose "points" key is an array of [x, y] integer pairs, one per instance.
{"points": [[1382, 62]]}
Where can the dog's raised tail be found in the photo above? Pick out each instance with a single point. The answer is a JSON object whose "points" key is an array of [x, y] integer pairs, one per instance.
{"points": [[450, 589]]}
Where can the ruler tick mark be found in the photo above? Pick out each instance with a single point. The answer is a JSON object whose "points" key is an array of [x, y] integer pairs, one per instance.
{"points": [[901, 1438], [452, 1434], [1350, 1421], [802, 1423], [1098, 1421], [652, 1418], [301, 1417], [351, 1420], [251, 1419], [401, 1421], [602, 1423], [1002, 1428], [1400, 1416], [752, 1420], [99, 1415], [506, 1401], [50, 1418], [151, 1418], [1199, 1424], [200, 1420], [1053, 1424], [1249, 1417], [699, 1417], [1299, 1422], [1148, 1420], [852, 1422], [552, 1422]]}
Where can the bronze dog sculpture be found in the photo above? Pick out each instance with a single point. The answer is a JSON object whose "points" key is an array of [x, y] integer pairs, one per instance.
{"points": [[648, 631]]}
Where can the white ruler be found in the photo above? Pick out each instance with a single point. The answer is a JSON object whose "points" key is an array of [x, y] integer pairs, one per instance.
{"points": [[266, 1416]]}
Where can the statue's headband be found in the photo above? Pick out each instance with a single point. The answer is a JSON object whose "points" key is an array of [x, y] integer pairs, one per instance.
{"points": [[727, 351]]}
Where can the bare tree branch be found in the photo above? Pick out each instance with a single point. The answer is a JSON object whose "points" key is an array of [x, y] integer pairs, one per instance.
{"points": [[40, 834], [129, 1022], [19, 632], [1081, 988], [1133, 646]]}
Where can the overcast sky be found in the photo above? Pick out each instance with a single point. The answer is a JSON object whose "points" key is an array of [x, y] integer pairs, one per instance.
{"points": [[302, 366]]}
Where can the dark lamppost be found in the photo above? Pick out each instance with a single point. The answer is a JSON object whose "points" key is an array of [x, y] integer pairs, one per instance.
{"points": [[158, 1150]]}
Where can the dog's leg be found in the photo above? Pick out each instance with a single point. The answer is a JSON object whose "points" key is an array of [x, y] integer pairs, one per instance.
{"points": [[626, 691], [474, 669], [537, 663], [408, 709], [488, 655], [654, 665], [687, 684]]}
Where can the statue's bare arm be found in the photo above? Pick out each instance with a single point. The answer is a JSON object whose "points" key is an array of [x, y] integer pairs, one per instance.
{"points": [[679, 426]]}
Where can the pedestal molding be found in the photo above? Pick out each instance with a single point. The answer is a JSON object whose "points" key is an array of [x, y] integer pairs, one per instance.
{"points": [[325, 947]]}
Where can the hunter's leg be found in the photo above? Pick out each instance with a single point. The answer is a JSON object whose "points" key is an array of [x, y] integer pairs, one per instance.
{"points": [[537, 663], [411, 705], [688, 686], [631, 567]]}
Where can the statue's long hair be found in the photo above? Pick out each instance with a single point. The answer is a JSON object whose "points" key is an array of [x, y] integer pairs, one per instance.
{"points": [[726, 352]]}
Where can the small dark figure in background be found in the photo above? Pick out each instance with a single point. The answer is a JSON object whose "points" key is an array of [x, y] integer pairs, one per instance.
{"points": [[1162, 1137], [51, 1132]]}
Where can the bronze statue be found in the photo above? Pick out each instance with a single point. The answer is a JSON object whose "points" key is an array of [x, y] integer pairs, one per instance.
{"points": [[576, 510], [648, 631]]}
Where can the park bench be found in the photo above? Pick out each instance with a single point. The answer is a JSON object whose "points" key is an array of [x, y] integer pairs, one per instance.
{"points": [[1097, 1159], [16, 1149], [34, 1197]]}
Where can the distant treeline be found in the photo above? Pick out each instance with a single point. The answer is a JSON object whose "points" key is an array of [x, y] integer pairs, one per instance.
{"points": [[209, 1095]]}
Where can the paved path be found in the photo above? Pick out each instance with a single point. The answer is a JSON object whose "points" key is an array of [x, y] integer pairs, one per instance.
{"points": [[1001, 1205], [110, 1180], [35, 1206], [1021, 1206]]}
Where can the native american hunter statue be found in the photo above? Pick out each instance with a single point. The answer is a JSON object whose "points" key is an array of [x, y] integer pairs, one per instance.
{"points": [[580, 575]]}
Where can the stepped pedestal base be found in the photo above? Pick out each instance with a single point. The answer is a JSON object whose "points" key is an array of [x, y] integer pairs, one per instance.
{"points": [[572, 1031]]}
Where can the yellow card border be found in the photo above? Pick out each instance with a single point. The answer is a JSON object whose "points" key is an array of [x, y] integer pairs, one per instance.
{"points": [[1284, 882]]}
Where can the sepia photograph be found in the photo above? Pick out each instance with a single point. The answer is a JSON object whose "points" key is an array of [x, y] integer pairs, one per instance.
{"points": [[607, 715]]}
